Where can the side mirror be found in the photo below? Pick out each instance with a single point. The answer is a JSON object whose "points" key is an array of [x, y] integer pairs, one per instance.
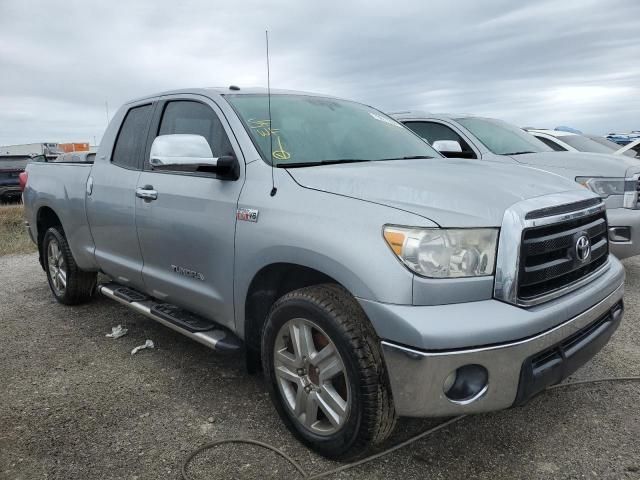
{"points": [[448, 146], [185, 152]]}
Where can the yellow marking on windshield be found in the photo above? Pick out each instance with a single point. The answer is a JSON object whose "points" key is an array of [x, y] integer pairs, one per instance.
{"points": [[281, 153], [253, 123], [263, 128], [265, 132]]}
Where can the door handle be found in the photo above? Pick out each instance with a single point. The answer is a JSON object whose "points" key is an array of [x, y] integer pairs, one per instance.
{"points": [[89, 186], [146, 193]]}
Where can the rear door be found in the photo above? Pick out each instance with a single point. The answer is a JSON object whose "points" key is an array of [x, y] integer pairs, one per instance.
{"points": [[111, 199], [187, 233]]}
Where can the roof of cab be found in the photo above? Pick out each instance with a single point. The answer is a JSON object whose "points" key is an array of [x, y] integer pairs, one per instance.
{"points": [[553, 133], [212, 92], [422, 114]]}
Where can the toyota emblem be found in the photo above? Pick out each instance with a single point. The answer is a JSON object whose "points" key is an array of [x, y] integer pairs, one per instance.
{"points": [[583, 248]]}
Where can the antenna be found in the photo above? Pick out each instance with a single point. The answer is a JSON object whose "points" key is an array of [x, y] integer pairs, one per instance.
{"points": [[106, 107], [273, 182]]}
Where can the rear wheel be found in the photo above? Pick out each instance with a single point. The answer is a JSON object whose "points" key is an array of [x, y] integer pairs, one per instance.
{"points": [[68, 283], [326, 372]]}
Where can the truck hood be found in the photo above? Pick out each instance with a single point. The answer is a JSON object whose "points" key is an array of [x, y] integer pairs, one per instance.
{"points": [[574, 164], [450, 192]]}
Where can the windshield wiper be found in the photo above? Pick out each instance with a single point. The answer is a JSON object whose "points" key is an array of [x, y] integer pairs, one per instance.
{"points": [[517, 153], [321, 162], [410, 157]]}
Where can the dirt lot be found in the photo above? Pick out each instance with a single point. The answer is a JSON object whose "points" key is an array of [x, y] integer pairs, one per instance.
{"points": [[77, 405]]}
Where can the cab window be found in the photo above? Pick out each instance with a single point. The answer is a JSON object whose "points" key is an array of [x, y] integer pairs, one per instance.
{"points": [[130, 143], [550, 143], [434, 131], [195, 118]]}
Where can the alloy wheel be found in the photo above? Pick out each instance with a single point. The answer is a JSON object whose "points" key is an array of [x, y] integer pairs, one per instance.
{"points": [[311, 376], [57, 267]]}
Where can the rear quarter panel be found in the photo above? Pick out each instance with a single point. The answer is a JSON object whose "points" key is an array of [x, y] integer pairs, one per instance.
{"points": [[62, 188]]}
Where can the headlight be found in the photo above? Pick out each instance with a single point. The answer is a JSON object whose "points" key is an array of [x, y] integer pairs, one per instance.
{"points": [[603, 186], [445, 253]]}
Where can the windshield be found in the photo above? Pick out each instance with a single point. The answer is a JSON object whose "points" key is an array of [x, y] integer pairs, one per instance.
{"points": [[585, 144], [502, 138], [612, 145], [309, 130]]}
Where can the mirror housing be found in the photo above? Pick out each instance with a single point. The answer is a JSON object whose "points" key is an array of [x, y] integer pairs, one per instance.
{"points": [[190, 153], [448, 146]]}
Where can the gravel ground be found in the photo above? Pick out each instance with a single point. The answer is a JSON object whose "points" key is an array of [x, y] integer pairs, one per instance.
{"points": [[77, 405]]}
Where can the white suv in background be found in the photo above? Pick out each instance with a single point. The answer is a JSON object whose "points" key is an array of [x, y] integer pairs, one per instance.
{"points": [[562, 141], [615, 178]]}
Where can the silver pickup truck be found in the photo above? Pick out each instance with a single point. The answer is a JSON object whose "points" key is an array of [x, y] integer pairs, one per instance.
{"points": [[615, 178], [366, 275]]}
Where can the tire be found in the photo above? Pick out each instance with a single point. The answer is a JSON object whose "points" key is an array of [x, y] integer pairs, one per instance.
{"points": [[343, 381], [69, 284]]}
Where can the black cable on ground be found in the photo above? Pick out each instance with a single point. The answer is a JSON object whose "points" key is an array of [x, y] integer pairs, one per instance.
{"points": [[371, 458]]}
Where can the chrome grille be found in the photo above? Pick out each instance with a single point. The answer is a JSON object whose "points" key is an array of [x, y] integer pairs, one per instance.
{"points": [[536, 259], [548, 255]]}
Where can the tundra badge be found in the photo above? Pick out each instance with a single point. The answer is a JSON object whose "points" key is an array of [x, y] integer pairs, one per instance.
{"points": [[247, 214], [186, 272]]}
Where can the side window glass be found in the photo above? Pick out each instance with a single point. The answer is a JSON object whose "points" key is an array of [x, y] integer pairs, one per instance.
{"points": [[131, 139], [432, 132], [552, 144], [195, 118]]}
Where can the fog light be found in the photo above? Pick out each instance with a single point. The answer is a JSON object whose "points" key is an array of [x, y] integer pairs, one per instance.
{"points": [[450, 380], [466, 384], [620, 234]]}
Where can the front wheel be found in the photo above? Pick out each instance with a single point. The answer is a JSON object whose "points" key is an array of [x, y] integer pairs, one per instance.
{"points": [[68, 283], [326, 372]]}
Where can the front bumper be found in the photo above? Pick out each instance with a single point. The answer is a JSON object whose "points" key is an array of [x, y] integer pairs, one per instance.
{"points": [[516, 370], [627, 220]]}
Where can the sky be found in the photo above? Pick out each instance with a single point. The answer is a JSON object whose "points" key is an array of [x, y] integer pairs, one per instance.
{"points": [[538, 63]]}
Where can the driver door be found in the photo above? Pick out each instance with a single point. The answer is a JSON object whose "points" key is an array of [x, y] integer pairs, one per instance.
{"points": [[187, 231]]}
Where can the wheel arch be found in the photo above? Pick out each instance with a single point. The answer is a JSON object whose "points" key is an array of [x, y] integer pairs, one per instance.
{"points": [[46, 218], [269, 284]]}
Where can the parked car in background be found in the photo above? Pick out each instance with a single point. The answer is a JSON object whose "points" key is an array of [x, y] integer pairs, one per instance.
{"points": [[624, 138], [625, 150], [563, 141], [615, 178], [11, 166], [366, 274], [630, 149]]}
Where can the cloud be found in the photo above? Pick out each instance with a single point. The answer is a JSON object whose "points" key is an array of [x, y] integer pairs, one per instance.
{"points": [[544, 63]]}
